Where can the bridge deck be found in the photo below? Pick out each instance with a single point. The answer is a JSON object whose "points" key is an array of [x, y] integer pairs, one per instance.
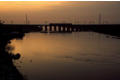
{"points": [[57, 27]]}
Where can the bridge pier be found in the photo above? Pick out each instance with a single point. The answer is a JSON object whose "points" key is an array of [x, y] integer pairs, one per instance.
{"points": [[72, 29], [55, 28], [79, 29], [46, 28], [76, 29], [59, 28], [68, 29], [50, 28], [64, 29]]}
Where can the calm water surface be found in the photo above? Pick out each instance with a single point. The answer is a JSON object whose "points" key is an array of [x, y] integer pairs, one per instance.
{"points": [[83, 55]]}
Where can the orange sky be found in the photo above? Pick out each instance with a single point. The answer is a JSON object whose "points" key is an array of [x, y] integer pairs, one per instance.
{"points": [[59, 11], [22, 5]]}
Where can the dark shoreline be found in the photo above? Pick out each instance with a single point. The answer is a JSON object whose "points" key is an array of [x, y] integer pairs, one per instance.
{"points": [[8, 70]]}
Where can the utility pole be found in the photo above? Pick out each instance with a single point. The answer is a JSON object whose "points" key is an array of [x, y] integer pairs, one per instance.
{"points": [[26, 18], [99, 18]]}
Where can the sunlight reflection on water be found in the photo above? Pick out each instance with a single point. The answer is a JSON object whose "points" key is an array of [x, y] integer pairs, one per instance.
{"points": [[83, 55]]}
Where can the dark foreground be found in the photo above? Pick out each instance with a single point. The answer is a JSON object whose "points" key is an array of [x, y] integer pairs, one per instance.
{"points": [[8, 70]]}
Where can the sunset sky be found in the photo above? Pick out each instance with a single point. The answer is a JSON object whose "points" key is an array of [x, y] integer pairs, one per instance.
{"points": [[59, 11]]}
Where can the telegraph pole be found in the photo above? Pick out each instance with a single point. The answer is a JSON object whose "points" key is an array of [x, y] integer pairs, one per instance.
{"points": [[100, 19], [26, 18]]}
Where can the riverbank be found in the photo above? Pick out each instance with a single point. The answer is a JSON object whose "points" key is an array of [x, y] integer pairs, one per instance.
{"points": [[8, 70]]}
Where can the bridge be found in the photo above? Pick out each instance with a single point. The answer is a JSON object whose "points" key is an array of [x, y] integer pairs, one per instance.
{"points": [[61, 28]]}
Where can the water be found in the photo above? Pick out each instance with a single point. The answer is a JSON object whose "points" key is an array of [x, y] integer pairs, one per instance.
{"points": [[83, 55]]}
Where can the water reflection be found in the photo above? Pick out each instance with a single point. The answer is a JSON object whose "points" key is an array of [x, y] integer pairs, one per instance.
{"points": [[83, 55]]}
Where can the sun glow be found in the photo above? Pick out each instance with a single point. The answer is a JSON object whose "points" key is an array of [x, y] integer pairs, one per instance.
{"points": [[28, 5]]}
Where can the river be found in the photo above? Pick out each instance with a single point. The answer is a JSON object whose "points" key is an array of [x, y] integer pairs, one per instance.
{"points": [[78, 55]]}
